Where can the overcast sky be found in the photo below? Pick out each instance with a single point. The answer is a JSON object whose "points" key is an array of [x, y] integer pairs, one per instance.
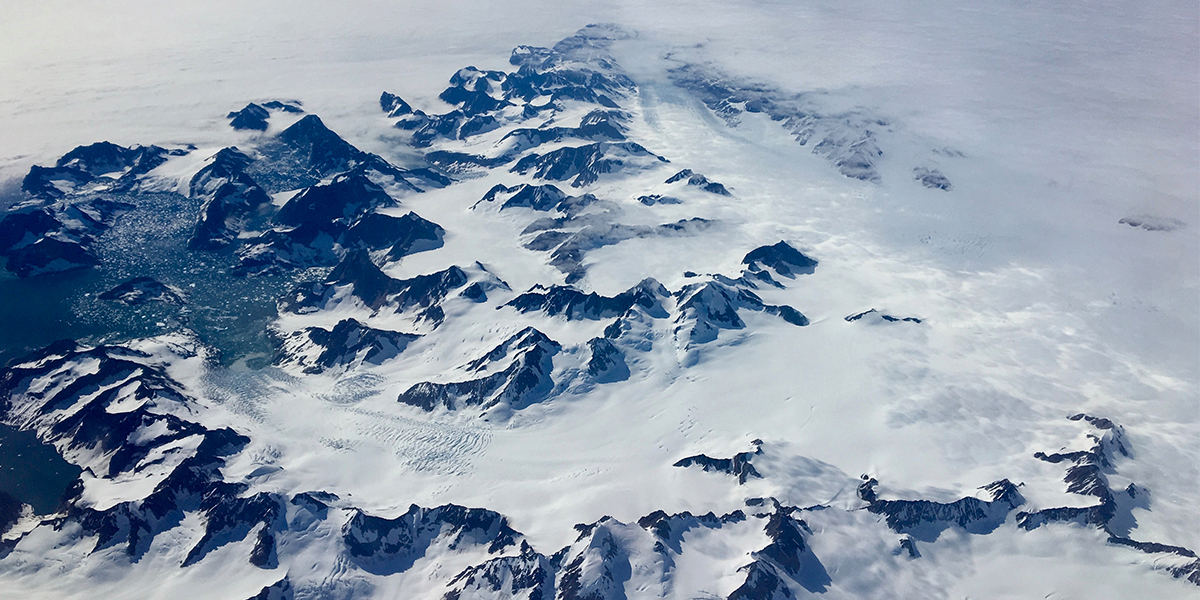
{"points": [[1104, 90]]}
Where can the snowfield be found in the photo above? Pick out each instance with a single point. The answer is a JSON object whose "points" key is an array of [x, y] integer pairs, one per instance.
{"points": [[731, 300]]}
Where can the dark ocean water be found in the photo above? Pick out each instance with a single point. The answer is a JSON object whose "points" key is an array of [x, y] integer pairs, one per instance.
{"points": [[33, 472], [229, 314]]}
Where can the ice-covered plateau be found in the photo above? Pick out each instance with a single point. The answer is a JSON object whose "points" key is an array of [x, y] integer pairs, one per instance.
{"points": [[470, 391]]}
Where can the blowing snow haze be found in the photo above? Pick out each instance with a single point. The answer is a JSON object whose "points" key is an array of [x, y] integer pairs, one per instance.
{"points": [[600, 301]]}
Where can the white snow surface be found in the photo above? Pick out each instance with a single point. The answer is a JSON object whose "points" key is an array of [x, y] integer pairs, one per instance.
{"points": [[1053, 122]]}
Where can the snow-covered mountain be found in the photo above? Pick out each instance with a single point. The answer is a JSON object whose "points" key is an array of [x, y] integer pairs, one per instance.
{"points": [[592, 323]]}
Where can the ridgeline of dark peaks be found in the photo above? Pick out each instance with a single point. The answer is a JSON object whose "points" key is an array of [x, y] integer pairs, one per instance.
{"points": [[254, 116], [782, 258], [232, 198], [924, 520], [47, 237], [90, 170], [104, 419], [700, 181], [584, 165], [343, 200], [875, 314], [104, 158], [575, 305], [1087, 475], [349, 344], [597, 126], [705, 308], [385, 546], [524, 381], [576, 70], [568, 240], [739, 465], [537, 197], [849, 140], [319, 225], [375, 289]]}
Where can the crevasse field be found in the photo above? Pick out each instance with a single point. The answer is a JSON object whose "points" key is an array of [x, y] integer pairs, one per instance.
{"points": [[600, 300]]}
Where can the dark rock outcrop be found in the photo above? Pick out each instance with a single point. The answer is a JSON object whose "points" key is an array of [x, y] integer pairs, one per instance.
{"points": [[1086, 475], [739, 465], [42, 238], [229, 516], [607, 362], [781, 258], [578, 69], [873, 314], [326, 222], [700, 181], [406, 235], [280, 250], [71, 206], [652, 199], [253, 117], [786, 561], [932, 179], [669, 529], [393, 105], [597, 565], [51, 255], [319, 149], [280, 590], [291, 106], [92, 167], [1152, 223], [457, 162], [308, 151], [596, 126], [141, 290], [761, 584]]}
